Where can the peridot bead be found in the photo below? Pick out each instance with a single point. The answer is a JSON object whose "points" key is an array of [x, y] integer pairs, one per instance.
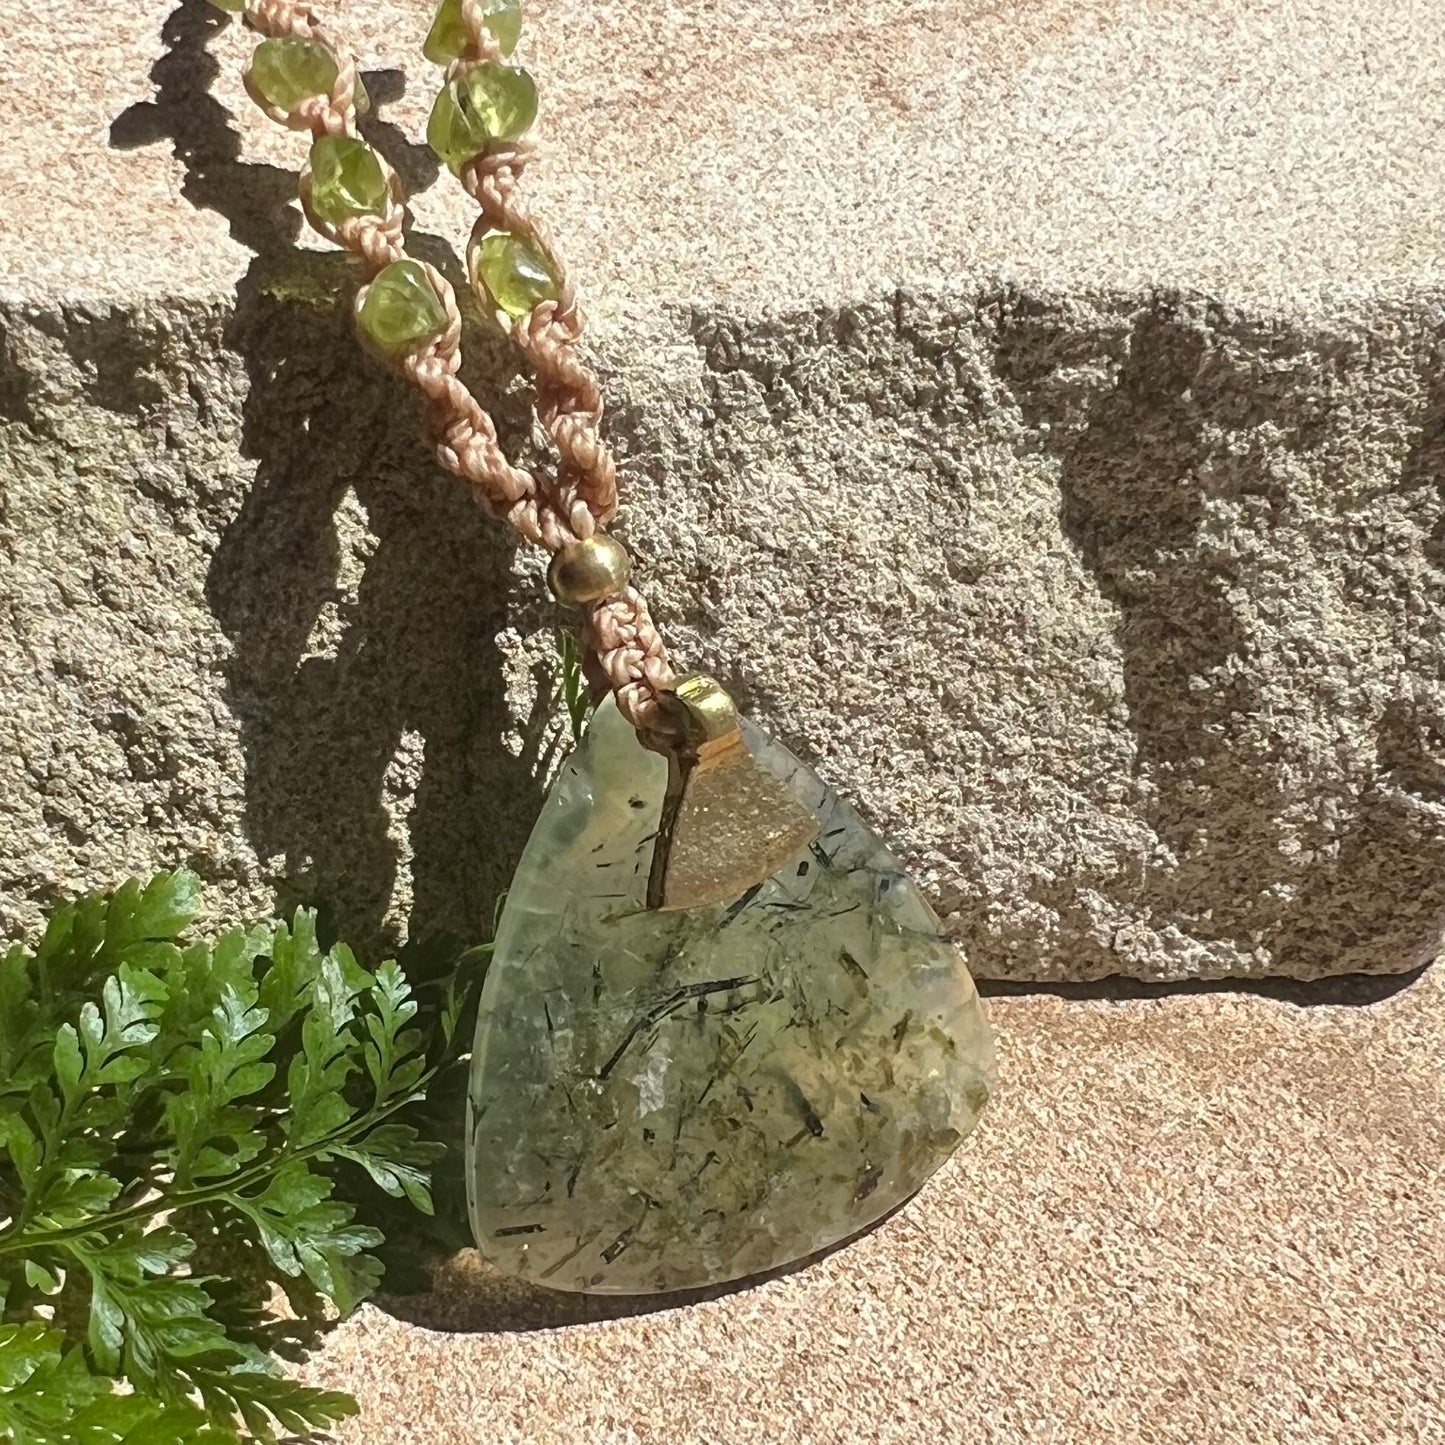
{"points": [[486, 103], [346, 179], [288, 70], [401, 308], [516, 272], [447, 37]]}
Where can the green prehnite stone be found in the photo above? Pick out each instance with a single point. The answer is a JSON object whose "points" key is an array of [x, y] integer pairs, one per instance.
{"points": [[401, 308], [346, 179], [447, 37], [662, 1101], [489, 102], [516, 271], [288, 70]]}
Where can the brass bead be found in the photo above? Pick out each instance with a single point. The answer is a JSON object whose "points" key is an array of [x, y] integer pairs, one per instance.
{"points": [[589, 571], [705, 710]]}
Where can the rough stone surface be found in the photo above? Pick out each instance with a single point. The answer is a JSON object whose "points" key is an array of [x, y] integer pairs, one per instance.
{"points": [[1038, 417]]}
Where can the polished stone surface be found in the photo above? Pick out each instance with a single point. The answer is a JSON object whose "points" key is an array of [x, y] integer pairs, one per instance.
{"points": [[402, 308], [447, 37], [288, 69], [662, 1101], [517, 273], [484, 104], [346, 179]]}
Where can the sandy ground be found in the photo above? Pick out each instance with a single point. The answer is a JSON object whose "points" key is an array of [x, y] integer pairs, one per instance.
{"points": [[1191, 1217]]}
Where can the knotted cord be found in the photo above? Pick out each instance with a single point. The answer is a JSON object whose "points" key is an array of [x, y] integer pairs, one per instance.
{"points": [[622, 649]]}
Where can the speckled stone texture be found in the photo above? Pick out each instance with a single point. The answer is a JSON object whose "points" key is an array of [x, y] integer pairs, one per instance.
{"points": [[1037, 417]]}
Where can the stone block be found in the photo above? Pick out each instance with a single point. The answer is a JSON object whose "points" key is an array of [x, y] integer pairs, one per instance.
{"points": [[1037, 417]]}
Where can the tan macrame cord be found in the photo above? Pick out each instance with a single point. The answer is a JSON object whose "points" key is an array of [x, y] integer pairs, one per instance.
{"points": [[623, 651]]}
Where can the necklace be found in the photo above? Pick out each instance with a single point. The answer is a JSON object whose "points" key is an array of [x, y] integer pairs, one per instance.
{"points": [[721, 1030]]}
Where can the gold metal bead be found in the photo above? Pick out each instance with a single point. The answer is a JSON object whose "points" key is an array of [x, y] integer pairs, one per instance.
{"points": [[704, 709], [589, 571]]}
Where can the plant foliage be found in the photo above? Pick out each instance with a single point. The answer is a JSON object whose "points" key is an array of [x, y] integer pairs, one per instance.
{"points": [[572, 698], [175, 1119]]}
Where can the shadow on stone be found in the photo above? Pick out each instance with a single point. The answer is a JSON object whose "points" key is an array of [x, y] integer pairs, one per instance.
{"points": [[1161, 447], [360, 587], [467, 1296], [1353, 990]]}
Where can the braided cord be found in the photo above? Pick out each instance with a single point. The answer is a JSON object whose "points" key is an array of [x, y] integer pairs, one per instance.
{"points": [[622, 649]]}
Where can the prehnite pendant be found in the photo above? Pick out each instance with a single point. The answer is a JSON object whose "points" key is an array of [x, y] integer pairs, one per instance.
{"points": [[667, 1100]]}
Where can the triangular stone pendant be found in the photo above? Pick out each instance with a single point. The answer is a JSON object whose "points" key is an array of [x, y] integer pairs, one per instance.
{"points": [[662, 1101]]}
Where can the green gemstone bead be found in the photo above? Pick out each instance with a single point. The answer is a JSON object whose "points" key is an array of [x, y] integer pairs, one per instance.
{"points": [[489, 102], [234, 6], [402, 308], [290, 70], [517, 273], [346, 179], [447, 37]]}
